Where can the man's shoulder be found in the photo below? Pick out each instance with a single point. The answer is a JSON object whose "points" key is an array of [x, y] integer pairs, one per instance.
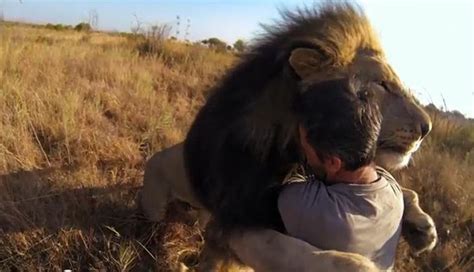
{"points": [[390, 179], [301, 190], [301, 197]]}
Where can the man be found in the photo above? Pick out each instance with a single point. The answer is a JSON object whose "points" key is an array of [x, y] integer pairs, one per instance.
{"points": [[345, 202]]}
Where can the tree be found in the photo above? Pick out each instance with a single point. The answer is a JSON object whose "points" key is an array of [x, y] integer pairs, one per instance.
{"points": [[93, 19], [216, 44], [137, 28], [83, 27], [240, 46]]}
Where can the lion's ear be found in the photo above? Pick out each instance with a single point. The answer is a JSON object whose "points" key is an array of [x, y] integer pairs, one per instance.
{"points": [[306, 61]]}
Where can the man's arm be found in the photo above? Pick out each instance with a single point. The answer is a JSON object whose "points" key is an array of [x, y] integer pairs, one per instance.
{"points": [[290, 206]]}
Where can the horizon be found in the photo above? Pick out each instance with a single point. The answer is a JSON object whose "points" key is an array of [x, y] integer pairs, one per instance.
{"points": [[433, 54]]}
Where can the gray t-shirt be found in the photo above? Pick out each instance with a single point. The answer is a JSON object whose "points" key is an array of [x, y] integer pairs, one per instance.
{"points": [[358, 218]]}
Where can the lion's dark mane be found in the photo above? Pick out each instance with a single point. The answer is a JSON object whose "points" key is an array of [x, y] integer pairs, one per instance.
{"points": [[243, 140]]}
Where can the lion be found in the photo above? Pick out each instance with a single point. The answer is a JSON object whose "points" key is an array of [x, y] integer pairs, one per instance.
{"points": [[243, 141]]}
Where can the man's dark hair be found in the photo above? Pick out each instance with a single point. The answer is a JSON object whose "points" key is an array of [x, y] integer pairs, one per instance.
{"points": [[341, 119]]}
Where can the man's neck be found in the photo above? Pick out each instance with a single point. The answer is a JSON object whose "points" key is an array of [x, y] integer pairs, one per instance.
{"points": [[364, 175]]}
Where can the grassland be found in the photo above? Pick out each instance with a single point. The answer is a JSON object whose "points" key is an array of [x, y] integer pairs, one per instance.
{"points": [[81, 112]]}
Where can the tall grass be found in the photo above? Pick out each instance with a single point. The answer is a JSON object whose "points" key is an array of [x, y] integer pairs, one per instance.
{"points": [[76, 114], [442, 173], [82, 111]]}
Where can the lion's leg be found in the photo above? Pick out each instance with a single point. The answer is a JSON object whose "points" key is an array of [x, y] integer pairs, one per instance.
{"points": [[269, 250], [215, 253], [155, 192], [209, 260], [418, 227]]}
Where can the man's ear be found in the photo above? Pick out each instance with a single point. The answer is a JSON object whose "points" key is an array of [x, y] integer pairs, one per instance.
{"points": [[307, 61], [333, 164]]}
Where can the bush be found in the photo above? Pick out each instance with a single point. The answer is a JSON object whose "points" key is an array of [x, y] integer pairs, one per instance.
{"points": [[83, 27], [462, 141], [45, 40], [240, 46], [216, 44], [452, 131], [151, 41], [58, 27]]}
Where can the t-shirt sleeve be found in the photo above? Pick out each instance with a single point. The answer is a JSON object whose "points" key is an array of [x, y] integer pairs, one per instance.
{"points": [[294, 200], [390, 179]]}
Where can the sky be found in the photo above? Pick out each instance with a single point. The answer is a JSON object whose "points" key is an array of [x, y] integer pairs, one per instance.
{"points": [[429, 43]]}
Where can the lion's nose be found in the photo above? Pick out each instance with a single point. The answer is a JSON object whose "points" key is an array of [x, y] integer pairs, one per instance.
{"points": [[425, 129]]}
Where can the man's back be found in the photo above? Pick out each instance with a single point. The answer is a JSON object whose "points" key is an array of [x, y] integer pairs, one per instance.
{"points": [[358, 218]]}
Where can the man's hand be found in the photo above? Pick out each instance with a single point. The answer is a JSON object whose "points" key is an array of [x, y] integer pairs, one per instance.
{"points": [[418, 227]]}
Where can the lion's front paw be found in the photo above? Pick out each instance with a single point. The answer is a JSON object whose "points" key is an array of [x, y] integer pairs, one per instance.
{"points": [[419, 231]]}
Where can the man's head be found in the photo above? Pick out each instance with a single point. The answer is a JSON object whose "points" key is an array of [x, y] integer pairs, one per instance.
{"points": [[340, 125]]}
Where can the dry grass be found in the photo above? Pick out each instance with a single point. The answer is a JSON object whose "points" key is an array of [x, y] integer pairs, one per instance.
{"points": [[80, 113], [442, 173]]}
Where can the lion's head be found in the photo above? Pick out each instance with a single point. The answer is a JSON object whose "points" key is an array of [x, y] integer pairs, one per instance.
{"points": [[337, 41]]}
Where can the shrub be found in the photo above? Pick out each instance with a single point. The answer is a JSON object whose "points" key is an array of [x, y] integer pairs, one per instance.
{"points": [[86, 38], [58, 27], [216, 44], [83, 27], [240, 46], [45, 40], [452, 131], [152, 40], [462, 141]]}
